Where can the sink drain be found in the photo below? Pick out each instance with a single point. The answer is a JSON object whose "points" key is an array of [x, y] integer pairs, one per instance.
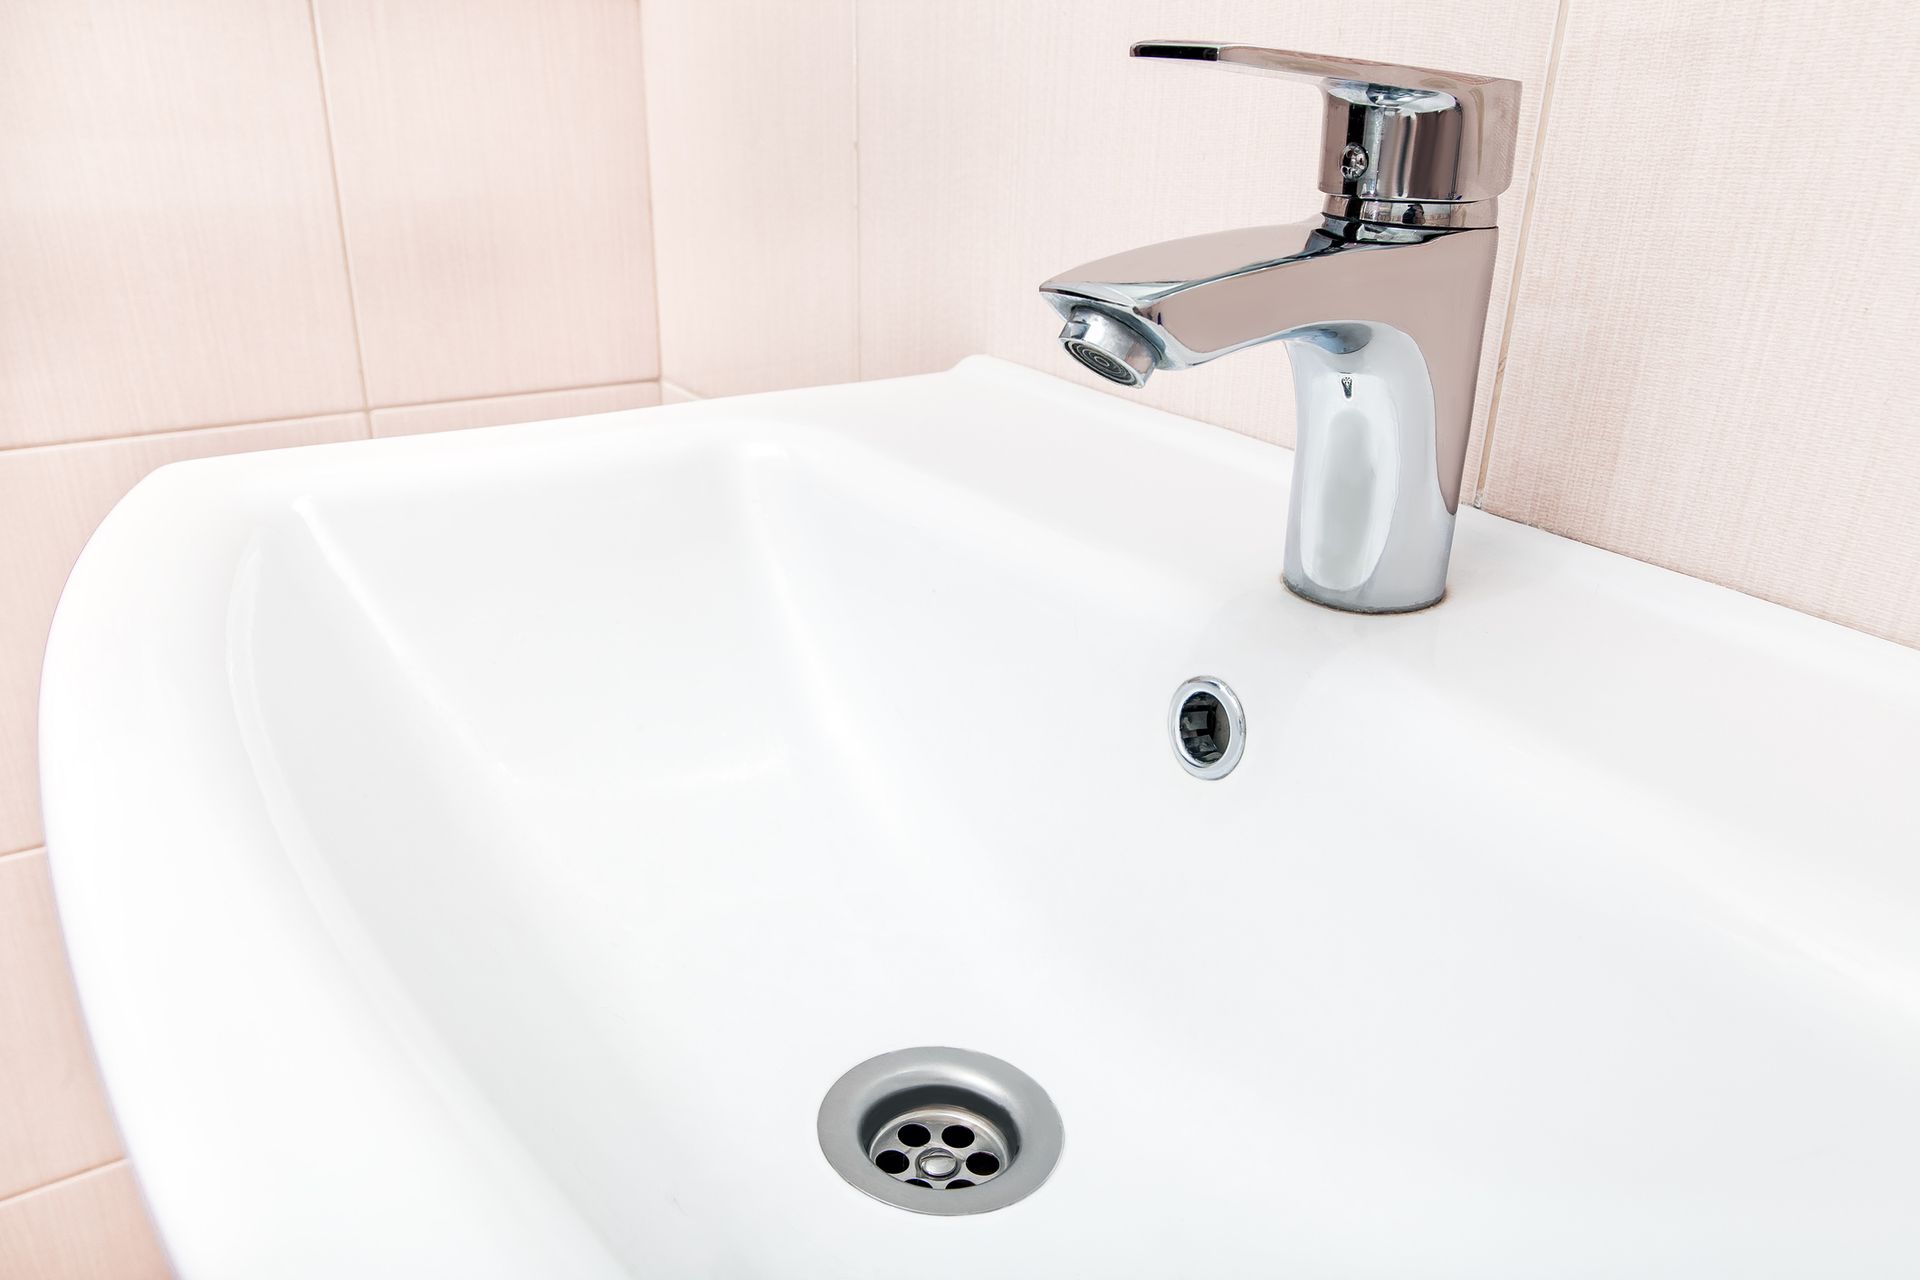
{"points": [[1208, 727], [942, 1131], [943, 1148]]}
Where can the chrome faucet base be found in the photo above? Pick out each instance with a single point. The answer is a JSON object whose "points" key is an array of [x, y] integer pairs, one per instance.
{"points": [[1381, 301], [1369, 526], [1310, 598]]}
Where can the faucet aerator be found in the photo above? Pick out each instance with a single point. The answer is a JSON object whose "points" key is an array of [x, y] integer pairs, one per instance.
{"points": [[1108, 346]]}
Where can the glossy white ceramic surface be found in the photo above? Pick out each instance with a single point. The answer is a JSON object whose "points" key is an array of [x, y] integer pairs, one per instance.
{"points": [[481, 852]]}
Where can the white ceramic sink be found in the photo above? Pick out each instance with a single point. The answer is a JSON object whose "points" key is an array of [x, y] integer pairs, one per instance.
{"points": [[480, 853]]}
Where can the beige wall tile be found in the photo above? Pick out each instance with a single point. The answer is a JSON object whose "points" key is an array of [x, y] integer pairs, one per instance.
{"points": [[493, 176], [54, 1119], [671, 394], [1002, 142], [169, 249], [498, 411], [50, 500], [93, 1227], [1709, 368], [753, 191]]}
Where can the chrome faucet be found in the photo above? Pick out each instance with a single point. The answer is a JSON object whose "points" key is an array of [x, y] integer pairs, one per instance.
{"points": [[1381, 301]]}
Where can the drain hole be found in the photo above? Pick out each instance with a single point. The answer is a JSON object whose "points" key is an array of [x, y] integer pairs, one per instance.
{"points": [[1205, 732], [935, 1118], [976, 1151]]}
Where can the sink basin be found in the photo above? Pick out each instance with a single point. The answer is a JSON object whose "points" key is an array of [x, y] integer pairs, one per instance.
{"points": [[481, 853]]}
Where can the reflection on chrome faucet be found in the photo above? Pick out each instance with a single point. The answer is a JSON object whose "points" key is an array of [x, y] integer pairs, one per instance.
{"points": [[1381, 300]]}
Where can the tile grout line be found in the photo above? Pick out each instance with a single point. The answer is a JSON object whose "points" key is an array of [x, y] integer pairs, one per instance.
{"points": [[1534, 167], [167, 432], [514, 395], [340, 218], [21, 853], [859, 300], [653, 225], [62, 1180]]}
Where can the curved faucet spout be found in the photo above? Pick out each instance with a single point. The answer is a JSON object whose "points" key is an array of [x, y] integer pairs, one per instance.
{"points": [[1383, 326], [1381, 302]]}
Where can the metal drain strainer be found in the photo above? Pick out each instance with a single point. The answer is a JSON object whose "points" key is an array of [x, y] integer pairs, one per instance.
{"points": [[942, 1131], [945, 1147]]}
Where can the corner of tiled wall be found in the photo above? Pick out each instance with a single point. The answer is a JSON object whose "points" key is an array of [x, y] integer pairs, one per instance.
{"points": [[380, 217], [754, 189]]}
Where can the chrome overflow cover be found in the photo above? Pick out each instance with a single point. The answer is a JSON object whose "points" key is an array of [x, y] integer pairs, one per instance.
{"points": [[1208, 727]]}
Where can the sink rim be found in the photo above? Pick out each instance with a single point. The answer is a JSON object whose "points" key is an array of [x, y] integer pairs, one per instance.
{"points": [[229, 497]]}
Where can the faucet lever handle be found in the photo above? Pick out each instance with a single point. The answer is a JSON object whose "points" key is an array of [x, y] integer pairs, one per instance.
{"points": [[1392, 133]]}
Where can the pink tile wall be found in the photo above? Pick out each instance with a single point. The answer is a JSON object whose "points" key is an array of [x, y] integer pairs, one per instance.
{"points": [[44, 1059], [91, 1226], [170, 254], [317, 221], [1712, 363], [492, 167], [754, 191]]}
